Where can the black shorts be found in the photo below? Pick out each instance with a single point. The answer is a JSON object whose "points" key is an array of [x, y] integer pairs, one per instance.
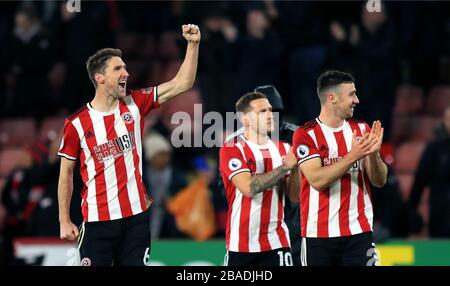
{"points": [[120, 242], [276, 257], [353, 250]]}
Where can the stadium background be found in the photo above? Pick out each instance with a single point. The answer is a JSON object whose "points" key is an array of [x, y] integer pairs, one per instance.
{"points": [[400, 58]]}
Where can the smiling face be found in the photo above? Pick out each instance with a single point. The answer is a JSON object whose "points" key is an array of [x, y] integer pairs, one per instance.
{"points": [[345, 100], [114, 78]]}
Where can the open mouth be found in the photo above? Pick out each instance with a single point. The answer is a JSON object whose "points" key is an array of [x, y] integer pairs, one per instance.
{"points": [[122, 84]]}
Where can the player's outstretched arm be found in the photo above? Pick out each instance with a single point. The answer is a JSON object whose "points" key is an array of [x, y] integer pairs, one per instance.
{"points": [[250, 186], [184, 80], [65, 188]]}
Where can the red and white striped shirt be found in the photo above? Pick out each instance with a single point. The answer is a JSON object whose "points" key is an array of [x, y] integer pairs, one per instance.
{"points": [[253, 224], [110, 151], [344, 208]]}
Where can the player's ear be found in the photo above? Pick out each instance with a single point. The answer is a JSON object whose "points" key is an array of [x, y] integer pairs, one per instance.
{"points": [[99, 78], [333, 97]]}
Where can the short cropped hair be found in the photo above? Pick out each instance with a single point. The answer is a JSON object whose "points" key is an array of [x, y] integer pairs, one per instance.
{"points": [[97, 63], [330, 80], [243, 104]]}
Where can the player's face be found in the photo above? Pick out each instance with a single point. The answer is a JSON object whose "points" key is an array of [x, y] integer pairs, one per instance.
{"points": [[347, 100], [261, 117], [116, 77]]}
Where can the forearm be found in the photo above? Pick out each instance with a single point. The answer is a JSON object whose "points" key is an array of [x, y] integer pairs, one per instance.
{"points": [[324, 176], [188, 70], [377, 171], [263, 182], [65, 190], [294, 185]]}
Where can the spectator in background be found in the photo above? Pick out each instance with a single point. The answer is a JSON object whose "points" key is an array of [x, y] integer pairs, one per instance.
{"points": [[163, 181], [192, 207], [369, 50], [29, 59], [434, 171], [257, 55], [215, 65], [82, 34]]}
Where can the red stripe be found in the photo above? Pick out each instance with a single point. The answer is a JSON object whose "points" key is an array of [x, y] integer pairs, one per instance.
{"points": [[84, 176], [231, 193], [344, 225], [304, 205], [140, 184], [265, 220], [363, 222], [100, 185], [280, 231], [362, 219], [121, 170], [244, 220], [324, 212], [324, 195], [266, 205]]}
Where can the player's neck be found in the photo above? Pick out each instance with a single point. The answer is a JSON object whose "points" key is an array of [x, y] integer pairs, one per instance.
{"points": [[330, 119], [104, 103], [255, 137]]}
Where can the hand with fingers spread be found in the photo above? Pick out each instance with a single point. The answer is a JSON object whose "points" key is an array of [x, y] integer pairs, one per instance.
{"points": [[191, 33], [362, 147], [377, 131]]}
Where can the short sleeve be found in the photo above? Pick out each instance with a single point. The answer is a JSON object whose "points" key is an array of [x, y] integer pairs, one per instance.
{"points": [[146, 99], [303, 146], [232, 162], [70, 143]]}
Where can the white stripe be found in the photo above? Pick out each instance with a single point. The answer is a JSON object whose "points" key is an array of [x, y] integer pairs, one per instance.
{"points": [[335, 188], [91, 196], [286, 147], [354, 226], [307, 158], [82, 232], [274, 239], [311, 226], [368, 210], [225, 259], [313, 137], [67, 156], [109, 171], [241, 148], [132, 184], [155, 94], [237, 172], [256, 204], [235, 221], [303, 256]]}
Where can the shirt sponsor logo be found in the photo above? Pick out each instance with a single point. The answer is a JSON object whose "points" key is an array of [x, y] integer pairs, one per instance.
{"points": [[115, 147]]}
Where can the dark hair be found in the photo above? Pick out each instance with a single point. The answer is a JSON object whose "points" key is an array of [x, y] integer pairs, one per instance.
{"points": [[331, 79], [243, 104], [97, 62]]}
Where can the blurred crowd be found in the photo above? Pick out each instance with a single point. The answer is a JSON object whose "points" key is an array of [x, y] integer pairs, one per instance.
{"points": [[400, 58]]}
